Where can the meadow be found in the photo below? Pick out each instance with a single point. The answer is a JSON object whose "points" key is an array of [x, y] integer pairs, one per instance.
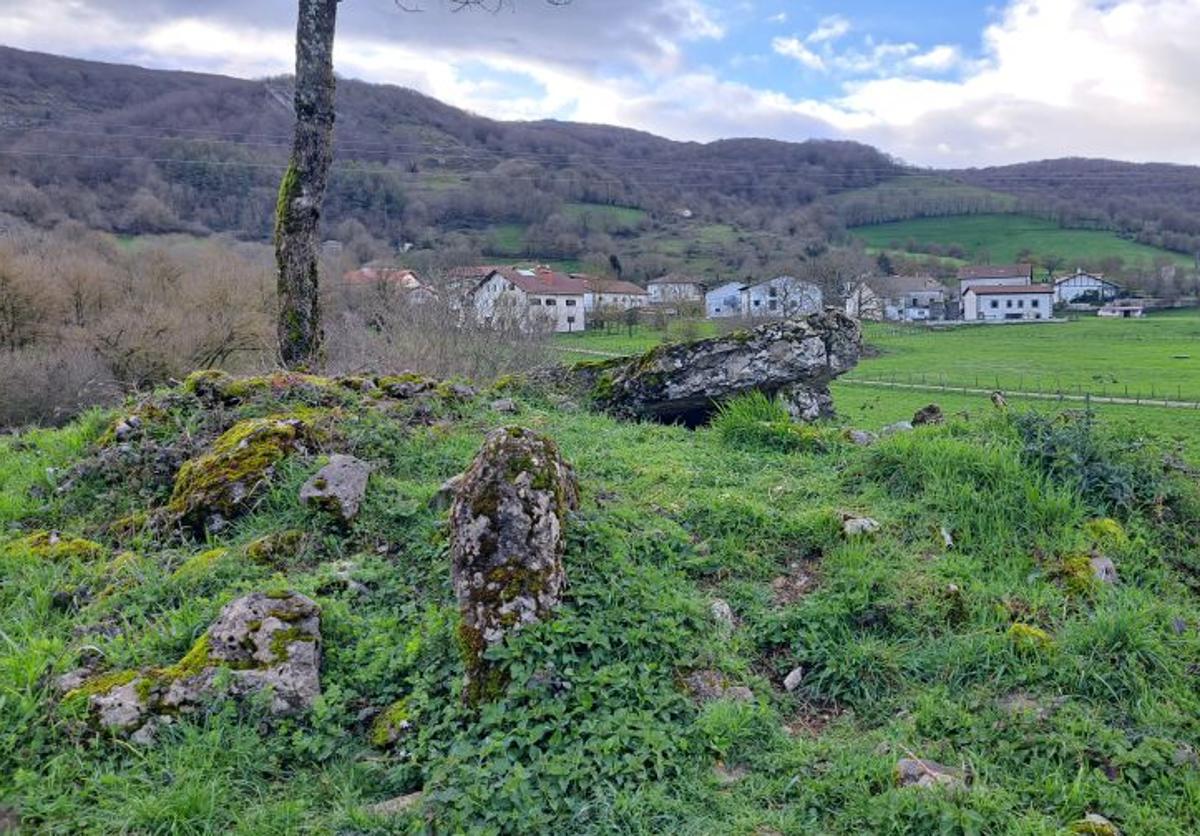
{"points": [[1003, 238], [1054, 696]]}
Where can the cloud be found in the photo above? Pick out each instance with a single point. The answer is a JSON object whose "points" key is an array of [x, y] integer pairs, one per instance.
{"points": [[780, 17], [795, 48], [939, 59], [829, 29]]}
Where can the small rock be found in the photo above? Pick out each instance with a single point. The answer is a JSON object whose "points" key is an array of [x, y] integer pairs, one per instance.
{"points": [[859, 526], [709, 685], [727, 776], [792, 681], [147, 735], [861, 438], [722, 613], [931, 414], [505, 405], [947, 538], [71, 680], [397, 805], [917, 772], [898, 427], [444, 497], [1095, 824], [338, 487], [1185, 755], [1104, 570]]}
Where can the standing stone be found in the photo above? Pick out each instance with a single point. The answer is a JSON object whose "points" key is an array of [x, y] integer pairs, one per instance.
{"points": [[507, 522], [338, 487]]}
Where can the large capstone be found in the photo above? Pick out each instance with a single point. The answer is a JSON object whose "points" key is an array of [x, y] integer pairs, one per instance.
{"points": [[507, 523], [685, 382]]}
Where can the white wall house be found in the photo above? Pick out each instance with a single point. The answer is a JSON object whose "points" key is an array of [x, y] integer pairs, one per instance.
{"points": [[675, 288], [782, 296], [611, 294], [1124, 309], [533, 297], [1008, 302], [1092, 286], [724, 301]]}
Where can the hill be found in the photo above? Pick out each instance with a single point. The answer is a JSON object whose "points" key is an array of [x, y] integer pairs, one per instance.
{"points": [[1010, 238], [137, 151], [1050, 694]]}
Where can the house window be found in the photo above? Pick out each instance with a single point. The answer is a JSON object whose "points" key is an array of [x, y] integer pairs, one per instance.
{"points": [[771, 304], [535, 301], [551, 301], [1020, 303], [570, 303], [757, 302], [1008, 303], [995, 303], [914, 301], [1033, 303], [570, 320], [772, 292]]}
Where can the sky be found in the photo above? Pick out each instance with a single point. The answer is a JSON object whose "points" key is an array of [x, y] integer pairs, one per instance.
{"points": [[943, 83]]}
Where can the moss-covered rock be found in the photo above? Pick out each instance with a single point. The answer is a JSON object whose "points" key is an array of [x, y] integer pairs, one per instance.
{"points": [[51, 545], [199, 565], [275, 549], [218, 484], [392, 725], [507, 522]]}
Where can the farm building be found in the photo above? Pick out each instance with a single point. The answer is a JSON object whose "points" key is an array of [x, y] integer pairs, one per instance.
{"points": [[1082, 287], [1008, 302], [724, 301], [534, 297], [674, 287], [993, 275], [1124, 309], [385, 280], [611, 294], [900, 298], [780, 297]]}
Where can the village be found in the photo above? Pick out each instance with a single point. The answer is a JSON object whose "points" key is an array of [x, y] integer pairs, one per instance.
{"points": [[542, 298]]}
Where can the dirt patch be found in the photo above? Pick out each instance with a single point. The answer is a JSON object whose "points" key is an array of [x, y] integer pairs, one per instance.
{"points": [[801, 579], [812, 719]]}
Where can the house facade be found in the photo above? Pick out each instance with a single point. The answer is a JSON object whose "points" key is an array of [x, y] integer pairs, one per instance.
{"points": [[724, 301], [782, 296], [1081, 288], [900, 299], [535, 297], [611, 294], [675, 288], [1008, 302]]}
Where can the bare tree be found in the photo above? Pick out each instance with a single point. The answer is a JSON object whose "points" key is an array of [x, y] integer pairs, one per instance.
{"points": [[298, 210]]}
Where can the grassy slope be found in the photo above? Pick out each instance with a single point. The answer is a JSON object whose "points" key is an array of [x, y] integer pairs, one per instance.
{"points": [[1101, 356], [919, 189], [894, 662], [1002, 237]]}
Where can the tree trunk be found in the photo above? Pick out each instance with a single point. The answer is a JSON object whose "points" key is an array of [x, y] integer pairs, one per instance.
{"points": [[298, 211]]}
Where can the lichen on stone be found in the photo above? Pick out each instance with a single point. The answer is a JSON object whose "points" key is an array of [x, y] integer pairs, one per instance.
{"points": [[274, 549], [392, 724]]}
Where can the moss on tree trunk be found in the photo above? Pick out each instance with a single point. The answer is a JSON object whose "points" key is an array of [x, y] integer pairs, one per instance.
{"points": [[302, 190]]}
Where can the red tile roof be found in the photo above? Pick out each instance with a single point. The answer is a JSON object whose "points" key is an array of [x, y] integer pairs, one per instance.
{"points": [[543, 281], [392, 275], [995, 290], [604, 284], [995, 271]]}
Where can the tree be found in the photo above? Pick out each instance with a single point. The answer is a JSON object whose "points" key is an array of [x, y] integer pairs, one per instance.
{"points": [[302, 190]]}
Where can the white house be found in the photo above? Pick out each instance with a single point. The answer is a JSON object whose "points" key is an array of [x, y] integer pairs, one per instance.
{"points": [[993, 275], [611, 294], [1014, 302], [900, 299], [781, 296], [724, 301], [675, 288], [534, 297], [1085, 287]]}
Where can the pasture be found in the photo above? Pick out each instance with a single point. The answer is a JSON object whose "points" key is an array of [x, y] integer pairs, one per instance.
{"points": [[1004, 238]]}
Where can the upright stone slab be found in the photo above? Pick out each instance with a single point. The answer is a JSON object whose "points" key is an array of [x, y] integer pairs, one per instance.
{"points": [[507, 523]]}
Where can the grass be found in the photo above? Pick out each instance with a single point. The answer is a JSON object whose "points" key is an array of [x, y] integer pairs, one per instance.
{"points": [[621, 215], [1156, 357], [643, 338], [1001, 238], [906, 646]]}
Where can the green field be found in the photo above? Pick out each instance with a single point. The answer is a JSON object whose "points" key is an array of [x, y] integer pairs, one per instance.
{"points": [[1001, 238], [624, 215], [1156, 357]]}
